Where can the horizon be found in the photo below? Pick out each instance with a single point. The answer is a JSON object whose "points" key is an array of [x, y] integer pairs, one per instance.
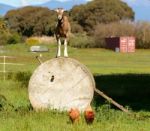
{"points": [[20, 3], [141, 8]]}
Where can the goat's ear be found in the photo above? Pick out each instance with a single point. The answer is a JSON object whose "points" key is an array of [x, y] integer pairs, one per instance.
{"points": [[59, 10]]}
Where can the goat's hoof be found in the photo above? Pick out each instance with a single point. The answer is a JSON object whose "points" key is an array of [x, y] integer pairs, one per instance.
{"points": [[58, 56], [66, 56]]}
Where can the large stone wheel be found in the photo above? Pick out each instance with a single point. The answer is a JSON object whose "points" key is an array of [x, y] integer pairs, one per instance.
{"points": [[61, 83]]}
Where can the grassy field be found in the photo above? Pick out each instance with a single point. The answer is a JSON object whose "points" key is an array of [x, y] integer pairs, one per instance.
{"points": [[125, 77], [99, 61]]}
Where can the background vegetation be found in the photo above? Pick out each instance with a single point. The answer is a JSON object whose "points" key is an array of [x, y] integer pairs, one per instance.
{"points": [[29, 21], [91, 24], [6, 35], [100, 11], [124, 77]]}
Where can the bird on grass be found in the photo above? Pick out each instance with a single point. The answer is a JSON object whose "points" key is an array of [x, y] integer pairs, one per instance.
{"points": [[89, 115], [74, 115]]}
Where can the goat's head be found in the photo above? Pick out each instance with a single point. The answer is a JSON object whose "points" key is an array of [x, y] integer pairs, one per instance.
{"points": [[60, 12]]}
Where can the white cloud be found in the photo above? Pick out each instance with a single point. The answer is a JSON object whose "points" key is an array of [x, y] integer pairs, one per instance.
{"points": [[18, 3], [24, 3], [69, 0], [33, 2]]}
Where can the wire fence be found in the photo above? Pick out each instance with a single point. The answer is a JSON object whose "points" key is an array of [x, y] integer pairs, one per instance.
{"points": [[4, 65]]}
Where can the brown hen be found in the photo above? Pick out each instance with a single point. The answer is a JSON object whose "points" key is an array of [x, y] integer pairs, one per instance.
{"points": [[89, 115], [74, 115]]}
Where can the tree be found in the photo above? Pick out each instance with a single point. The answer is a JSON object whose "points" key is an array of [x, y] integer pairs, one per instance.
{"points": [[3, 32], [100, 11], [30, 21], [6, 36], [3, 26]]}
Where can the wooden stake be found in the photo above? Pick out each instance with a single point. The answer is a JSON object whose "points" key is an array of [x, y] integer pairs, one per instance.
{"points": [[39, 60]]}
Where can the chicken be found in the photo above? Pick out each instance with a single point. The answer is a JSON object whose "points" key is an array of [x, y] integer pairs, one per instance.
{"points": [[74, 115], [89, 115]]}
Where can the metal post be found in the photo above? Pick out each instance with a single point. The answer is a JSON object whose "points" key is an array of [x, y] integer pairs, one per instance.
{"points": [[4, 68]]}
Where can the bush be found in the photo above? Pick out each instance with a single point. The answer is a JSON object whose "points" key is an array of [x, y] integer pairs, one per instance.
{"points": [[32, 41], [31, 21], [3, 102], [82, 41], [3, 39], [76, 28], [142, 34], [116, 29], [22, 77], [6, 36], [14, 38], [36, 40]]}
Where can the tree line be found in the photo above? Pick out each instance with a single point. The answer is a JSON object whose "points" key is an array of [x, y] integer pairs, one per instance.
{"points": [[97, 19], [100, 11], [30, 20]]}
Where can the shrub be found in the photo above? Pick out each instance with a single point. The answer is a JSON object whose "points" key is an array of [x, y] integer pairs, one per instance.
{"points": [[22, 106], [82, 41], [14, 38], [142, 34], [32, 41], [40, 40], [3, 102], [45, 39], [22, 77], [125, 28], [76, 28], [6, 36], [3, 39]]}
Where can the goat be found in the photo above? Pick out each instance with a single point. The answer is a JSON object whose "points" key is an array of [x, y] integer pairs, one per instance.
{"points": [[62, 31]]}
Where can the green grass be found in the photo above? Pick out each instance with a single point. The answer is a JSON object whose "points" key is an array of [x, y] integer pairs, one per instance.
{"points": [[99, 61], [50, 121], [122, 76], [22, 118]]}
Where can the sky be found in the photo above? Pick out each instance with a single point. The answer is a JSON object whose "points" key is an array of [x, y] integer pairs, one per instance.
{"points": [[18, 3], [140, 7], [138, 2]]}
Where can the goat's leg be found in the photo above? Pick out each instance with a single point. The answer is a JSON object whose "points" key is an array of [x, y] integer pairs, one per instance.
{"points": [[58, 48], [65, 48]]}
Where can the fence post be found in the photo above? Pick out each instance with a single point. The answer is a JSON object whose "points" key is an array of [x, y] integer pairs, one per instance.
{"points": [[4, 65]]}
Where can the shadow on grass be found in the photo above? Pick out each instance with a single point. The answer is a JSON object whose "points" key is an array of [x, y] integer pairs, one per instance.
{"points": [[132, 90]]}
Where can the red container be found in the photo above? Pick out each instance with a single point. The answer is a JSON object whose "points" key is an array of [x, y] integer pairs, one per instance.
{"points": [[121, 44]]}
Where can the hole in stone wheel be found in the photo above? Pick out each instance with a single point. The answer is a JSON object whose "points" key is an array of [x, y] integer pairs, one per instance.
{"points": [[52, 78]]}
